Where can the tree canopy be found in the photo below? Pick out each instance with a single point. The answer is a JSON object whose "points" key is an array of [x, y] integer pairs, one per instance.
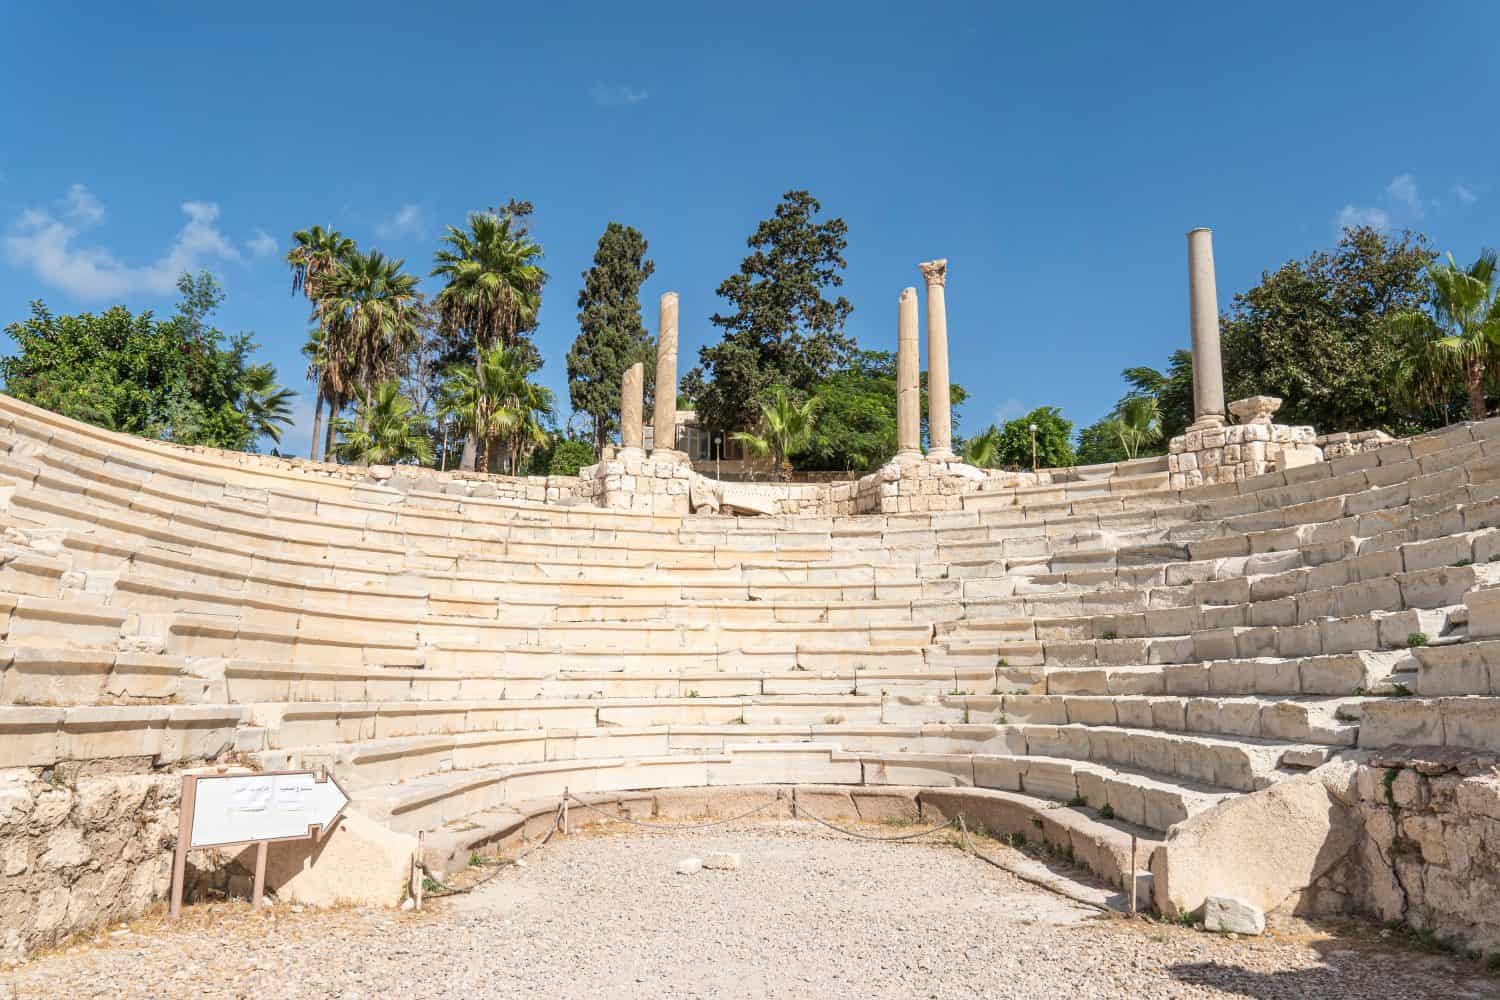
{"points": [[611, 335], [781, 330], [180, 379], [1313, 332]]}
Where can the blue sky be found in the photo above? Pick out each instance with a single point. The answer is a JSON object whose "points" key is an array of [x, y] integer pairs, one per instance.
{"points": [[1055, 156]]}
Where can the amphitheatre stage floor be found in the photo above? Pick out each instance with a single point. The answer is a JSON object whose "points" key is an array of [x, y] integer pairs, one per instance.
{"points": [[809, 914]]}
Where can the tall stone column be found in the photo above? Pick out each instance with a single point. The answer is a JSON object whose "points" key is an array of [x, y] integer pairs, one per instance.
{"points": [[632, 395], [939, 410], [908, 377], [1208, 366], [664, 424]]}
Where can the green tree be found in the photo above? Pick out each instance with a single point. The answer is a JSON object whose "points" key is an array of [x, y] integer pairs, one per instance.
{"points": [[368, 305], [500, 405], [1054, 447], [1314, 332], [983, 449], [782, 330], [785, 427], [570, 455], [856, 405], [267, 404], [1461, 333], [1172, 390], [493, 291], [316, 252], [611, 335], [387, 429], [1099, 442], [179, 380]]}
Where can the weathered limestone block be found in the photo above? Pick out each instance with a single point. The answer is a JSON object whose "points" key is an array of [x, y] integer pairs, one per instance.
{"points": [[1229, 915], [357, 861], [1265, 848]]}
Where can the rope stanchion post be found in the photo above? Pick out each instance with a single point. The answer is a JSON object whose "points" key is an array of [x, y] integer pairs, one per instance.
{"points": [[567, 831], [421, 864], [1133, 878]]}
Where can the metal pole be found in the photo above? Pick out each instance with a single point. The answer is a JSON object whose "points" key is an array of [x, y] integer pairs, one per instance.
{"points": [[1132, 874], [420, 861]]}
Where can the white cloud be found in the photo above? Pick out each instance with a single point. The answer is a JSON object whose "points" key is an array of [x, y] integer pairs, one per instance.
{"points": [[1404, 195], [409, 220], [608, 95], [45, 241], [1010, 409], [1465, 194], [1354, 215], [262, 244]]}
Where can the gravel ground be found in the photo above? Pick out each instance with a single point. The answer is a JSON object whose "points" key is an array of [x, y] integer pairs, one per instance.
{"points": [[810, 914]]}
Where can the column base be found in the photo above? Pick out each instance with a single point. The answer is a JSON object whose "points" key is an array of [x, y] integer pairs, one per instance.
{"points": [[941, 455], [907, 455], [1208, 422], [670, 455], [626, 453]]}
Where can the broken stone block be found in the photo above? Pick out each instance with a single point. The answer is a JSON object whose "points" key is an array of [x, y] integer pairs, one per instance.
{"points": [[689, 866], [722, 860], [1231, 915]]}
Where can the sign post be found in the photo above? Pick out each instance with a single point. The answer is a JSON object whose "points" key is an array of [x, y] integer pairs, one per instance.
{"points": [[234, 810]]}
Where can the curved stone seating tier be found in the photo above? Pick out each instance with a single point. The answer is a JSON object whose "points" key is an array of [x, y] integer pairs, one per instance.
{"points": [[1103, 641]]}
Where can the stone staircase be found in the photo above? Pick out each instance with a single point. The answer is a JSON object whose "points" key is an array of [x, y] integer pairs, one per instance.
{"points": [[1104, 654]]}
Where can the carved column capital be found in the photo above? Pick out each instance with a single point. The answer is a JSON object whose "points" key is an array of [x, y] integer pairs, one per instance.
{"points": [[934, 272]]}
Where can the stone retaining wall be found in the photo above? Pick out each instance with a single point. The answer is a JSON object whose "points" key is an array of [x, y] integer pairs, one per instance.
{"points": [[1431, 847], [83, 844], [915, 486], [668, 485]]}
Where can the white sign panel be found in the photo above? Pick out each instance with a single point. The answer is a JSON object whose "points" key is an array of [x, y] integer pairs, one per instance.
{"points": [[240, 808]]}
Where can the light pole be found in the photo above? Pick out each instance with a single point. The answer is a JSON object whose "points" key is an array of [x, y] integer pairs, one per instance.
{"points": [[718, 454], [1033, 447]]}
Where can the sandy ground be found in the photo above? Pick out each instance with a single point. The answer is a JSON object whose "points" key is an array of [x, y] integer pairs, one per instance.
{"points": [[810, 914]]}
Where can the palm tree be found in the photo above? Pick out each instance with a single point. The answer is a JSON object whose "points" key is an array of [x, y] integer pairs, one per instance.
{"points": [[387, 429], [1464, 324], [496, 402], [786, 428], [493, 288], [983, 449], [1137, 423], [316, 252], [370, 313], [267, 405]]}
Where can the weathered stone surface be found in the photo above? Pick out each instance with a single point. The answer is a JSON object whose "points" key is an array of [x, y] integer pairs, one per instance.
{"points": [[1230, 915], [357, 861], [1266, 848], [722, 860]]}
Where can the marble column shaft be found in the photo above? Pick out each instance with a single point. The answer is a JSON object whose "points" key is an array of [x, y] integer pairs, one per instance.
{"points": [[664, 424], [908, 376], [939, 409], [632, 395], [1203, 295]]}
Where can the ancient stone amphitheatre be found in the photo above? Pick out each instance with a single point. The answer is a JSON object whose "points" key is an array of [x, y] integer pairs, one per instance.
{"points": [[1266, 664]]}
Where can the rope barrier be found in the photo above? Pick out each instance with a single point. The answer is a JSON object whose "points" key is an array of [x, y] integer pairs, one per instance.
{"points": [[675, 826], [450, 890], [803, 810], [558, 820], [1030, 879]]}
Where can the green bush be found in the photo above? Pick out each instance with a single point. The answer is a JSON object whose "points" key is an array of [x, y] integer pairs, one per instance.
{"points": [[569, 456]]}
